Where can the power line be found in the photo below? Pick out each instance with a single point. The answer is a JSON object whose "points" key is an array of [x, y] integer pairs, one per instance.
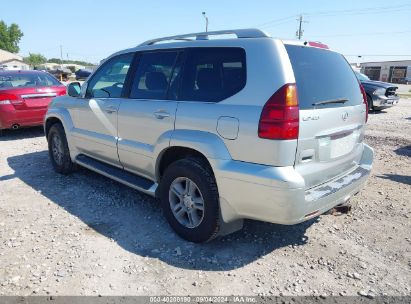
{"points": [[361, 11], [276, 21], [365, 10], [365, 34], [380, 55]]}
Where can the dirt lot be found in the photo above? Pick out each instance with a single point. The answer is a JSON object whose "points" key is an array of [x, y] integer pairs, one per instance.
{"points": [[86, 235]]}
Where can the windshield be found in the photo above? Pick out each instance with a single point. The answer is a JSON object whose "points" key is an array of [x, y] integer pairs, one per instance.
{"points": [[361, 76], [21, 80], [324, 78]]}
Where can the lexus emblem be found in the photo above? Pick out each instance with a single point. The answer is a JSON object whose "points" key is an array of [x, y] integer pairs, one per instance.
{"points": [[344, 116]]}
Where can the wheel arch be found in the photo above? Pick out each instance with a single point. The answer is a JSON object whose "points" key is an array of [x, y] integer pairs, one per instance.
{"points": [[175, 153], [61, 115], [50, 121], [185, 143]]}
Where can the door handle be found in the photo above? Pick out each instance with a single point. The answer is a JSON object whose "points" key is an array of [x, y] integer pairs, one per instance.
{"points": [[110, 109], [161, 114]]}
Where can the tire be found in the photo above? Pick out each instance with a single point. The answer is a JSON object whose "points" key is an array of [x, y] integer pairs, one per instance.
{"points": [[59, 152], [193, 224], [370, 104]]}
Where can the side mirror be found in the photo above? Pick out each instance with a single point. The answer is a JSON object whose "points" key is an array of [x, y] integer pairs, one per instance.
{"points": [[74, 89]]}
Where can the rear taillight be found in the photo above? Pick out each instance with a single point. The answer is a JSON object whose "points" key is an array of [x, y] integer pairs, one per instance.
{"points": [[62, 91], [6, 98], [280, 116], [364, 100]]}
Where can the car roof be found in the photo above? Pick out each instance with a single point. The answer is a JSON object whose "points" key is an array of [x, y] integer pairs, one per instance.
{"points": [[202, 39], [193, 40]]}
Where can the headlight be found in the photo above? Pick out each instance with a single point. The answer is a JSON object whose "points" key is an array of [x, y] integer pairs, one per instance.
{"points": [[379, 92]]}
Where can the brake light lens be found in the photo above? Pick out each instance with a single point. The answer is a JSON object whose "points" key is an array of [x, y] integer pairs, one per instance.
{"points": [[280, 115], [318, 45], [6, 99], [364, 100]]}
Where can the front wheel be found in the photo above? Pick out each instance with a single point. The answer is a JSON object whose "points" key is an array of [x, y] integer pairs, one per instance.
{"points": [[190, 200], [370, 104], [58, 150]]}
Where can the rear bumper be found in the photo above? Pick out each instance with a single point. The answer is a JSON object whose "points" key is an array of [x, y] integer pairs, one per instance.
{"points": [[23, 118], [278, 194]]}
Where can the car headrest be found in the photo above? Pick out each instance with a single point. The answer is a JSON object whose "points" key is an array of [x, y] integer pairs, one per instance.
{"points": [[156, 81]]}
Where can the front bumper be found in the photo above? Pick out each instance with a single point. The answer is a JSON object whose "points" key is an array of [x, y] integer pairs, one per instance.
{"points": [[383, 102], [278, 194]]}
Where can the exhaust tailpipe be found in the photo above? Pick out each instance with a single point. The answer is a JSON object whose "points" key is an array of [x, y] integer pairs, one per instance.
{"points": [[15, 127], [340, 209], [344, 209]]}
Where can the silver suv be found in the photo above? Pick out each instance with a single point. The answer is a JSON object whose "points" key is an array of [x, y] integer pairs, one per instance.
{"points": [[220, 130]]}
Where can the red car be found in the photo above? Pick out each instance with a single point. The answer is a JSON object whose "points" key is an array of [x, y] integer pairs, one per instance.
{"points": [[25, 96]]}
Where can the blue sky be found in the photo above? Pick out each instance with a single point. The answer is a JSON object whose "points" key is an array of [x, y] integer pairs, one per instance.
{"points": [[91, 30]]}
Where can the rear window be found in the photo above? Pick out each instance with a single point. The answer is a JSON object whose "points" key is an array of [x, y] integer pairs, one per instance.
{"points": [[21, 80], [213, 74], [322, 75]]}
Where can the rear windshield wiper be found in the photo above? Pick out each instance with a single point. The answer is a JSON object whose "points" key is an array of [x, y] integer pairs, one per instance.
{"points": [[338, 100]]}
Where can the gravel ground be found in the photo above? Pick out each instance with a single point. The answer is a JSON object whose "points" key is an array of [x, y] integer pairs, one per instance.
{"points": [[84, 234]]}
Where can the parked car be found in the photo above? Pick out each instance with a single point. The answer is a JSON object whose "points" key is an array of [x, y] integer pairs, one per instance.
{"points": [[380, 95], [252, 127], [25, 96], [82, 74]]}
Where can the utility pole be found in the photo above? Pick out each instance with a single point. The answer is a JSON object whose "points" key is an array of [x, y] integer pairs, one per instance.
{"points": [[206, 19], [61, 54], [300, 30]]}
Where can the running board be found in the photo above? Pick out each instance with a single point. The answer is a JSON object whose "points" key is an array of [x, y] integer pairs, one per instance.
{"points": [[129, 179]]}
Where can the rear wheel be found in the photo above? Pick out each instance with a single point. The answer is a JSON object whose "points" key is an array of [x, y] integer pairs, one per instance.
{"points": [[190, 200], [58, 150]]}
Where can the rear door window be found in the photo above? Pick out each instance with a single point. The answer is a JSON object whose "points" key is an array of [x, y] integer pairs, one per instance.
{"points": [[323, 75], [154, 74], [213, 74]]}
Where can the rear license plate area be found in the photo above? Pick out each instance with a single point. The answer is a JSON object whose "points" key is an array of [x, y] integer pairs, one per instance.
{"points": [[342, 145]]}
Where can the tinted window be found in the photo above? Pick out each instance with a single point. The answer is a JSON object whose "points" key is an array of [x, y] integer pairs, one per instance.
{"points": [[154, 73], [323, 75], [109, 79], [21, 80], [213, 74]]}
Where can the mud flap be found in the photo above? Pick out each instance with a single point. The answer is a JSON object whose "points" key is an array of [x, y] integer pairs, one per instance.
{"points": [[229, 220]]}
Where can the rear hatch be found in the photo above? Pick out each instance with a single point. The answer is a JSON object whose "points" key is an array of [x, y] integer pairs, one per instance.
{"points": [[332, 114]]}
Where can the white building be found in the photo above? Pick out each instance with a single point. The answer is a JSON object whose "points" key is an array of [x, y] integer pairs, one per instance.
{"points": [[388, 71], [14, 64], [10, 61]]}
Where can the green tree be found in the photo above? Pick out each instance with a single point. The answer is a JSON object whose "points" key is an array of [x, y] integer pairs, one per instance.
{"points": [[79, 62], [54, 60], [35, 59], [10, 37]]}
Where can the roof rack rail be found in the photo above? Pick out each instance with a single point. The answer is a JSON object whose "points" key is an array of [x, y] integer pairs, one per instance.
{"points": [[240, 33]]}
